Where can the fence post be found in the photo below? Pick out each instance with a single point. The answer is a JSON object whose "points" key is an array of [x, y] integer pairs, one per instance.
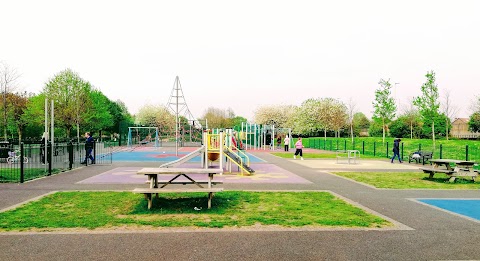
{"points": [[331, 145], [374, 148], [441, 151], [70, 154], [95, 151], [49, 158], [387, 149], [402, 152], [22, 173], [419, 147], [363, 147], [466, 152], [345, 145]]}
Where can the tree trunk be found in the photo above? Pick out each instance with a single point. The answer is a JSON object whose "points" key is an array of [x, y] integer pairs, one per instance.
{"points": [[433, 134], [446, 129], [325, 134], [383, 129], [351, 131], [411, 130]]}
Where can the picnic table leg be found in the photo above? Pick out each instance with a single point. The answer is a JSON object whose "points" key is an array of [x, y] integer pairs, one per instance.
{"points": [[431, 175], [148, 196], [210, 196], [452, 179]]}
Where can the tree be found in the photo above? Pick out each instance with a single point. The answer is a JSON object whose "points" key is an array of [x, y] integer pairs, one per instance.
{"points": [[278, 115], [219, 118], [449, 110], [339, 116], [18, 105], [428, 104], [97, 116], [304, 119], [8, 78], [474, 122], [384, 105], [70, 95], [351, 113], [412, 116], [402, 127], [360, 123]]}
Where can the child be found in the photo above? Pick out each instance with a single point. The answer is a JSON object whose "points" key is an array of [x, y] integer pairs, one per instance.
{"points": [[298, 147]]}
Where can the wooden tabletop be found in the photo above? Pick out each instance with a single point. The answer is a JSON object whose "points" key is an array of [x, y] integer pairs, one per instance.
{"points": [[178, 171], [462, 162]]}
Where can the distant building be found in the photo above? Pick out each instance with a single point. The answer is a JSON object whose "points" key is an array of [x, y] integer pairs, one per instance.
{"points": [[460, 129]]}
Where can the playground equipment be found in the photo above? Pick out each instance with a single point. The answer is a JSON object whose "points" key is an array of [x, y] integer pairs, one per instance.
{"points": [[255, 136], [142, 139], [217, 147]]}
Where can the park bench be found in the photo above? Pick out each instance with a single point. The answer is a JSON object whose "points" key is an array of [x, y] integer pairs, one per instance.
{"points": [[420, 157]]}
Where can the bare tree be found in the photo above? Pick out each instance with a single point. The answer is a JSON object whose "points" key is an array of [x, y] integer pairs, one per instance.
{"points": [[351, 111], [412, 115], [8, 79], [449, 109]]}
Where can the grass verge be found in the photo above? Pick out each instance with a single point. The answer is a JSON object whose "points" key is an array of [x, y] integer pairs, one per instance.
{"points": [[229, 209], [408, 180], [322, 155]]}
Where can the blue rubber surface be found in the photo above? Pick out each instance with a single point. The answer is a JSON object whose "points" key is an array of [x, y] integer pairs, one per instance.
{"points": [[466, 207], [159, 156]]}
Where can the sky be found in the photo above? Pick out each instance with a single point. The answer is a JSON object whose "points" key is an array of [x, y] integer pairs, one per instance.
{"points": [[247, 54]]}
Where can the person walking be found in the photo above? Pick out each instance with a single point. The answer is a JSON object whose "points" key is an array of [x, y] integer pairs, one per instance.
{"points": [[299, 148], [286, 143], [396, 150], [89, 142]]}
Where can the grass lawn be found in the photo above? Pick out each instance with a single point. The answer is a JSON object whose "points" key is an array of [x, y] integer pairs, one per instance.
{"points": [[409, 180], [229, 209]]}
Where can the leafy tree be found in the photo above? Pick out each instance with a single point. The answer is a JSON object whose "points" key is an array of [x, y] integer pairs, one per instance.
{"points": [[440, 126], [156, 116], [304, 120], [237, 121], [360, 123], [402, 127], [474, 122], [428, 103], [34, 116], [97, 116], [376, 128], [70, 94], [18, 105], [351, 113], [278, 115], [218, 118], [384, 105]]}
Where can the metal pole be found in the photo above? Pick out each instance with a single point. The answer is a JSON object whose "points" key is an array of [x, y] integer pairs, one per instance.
{"points": [[176, 118], [45, 135], [52, 130]]}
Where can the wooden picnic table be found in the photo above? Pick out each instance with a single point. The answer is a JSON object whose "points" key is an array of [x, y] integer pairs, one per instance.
{"points": [[153, 174], [463, 168]]}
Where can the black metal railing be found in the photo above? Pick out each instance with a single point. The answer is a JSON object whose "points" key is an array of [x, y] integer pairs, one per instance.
{"points": [[20, 163]]}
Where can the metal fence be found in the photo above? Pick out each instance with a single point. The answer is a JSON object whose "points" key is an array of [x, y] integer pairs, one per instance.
{"points": [[20, 163], [379, 149]]}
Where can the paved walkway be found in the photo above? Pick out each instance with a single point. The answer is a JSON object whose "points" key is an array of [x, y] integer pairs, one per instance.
{"points": [[427, 233]]}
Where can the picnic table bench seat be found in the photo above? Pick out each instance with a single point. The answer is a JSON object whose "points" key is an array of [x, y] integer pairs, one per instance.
{"points": [[148, 192], [433, 170], [186, 182], [420, 157]]}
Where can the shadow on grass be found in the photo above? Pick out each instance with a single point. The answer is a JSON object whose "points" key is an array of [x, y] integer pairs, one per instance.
{"points": [[447, 180], [190, 203]]}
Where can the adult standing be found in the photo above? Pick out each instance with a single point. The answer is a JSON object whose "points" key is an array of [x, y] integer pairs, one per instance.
{"points": [[286, 143], [89, 142], [299, 148], [396, 150]]}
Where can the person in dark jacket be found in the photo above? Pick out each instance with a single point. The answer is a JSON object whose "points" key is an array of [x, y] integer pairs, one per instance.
{"points": [[396, 150], [89, 143]]}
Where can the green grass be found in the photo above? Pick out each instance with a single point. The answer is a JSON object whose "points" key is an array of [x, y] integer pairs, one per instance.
{"points": [[454, 149], [409, 180], [229, 209], [13, 174]]}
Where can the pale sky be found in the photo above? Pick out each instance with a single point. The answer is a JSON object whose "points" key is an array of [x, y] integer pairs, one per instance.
{"points": [[245, 54]]}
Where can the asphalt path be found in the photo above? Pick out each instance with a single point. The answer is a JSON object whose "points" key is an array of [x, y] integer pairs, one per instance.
{"points": [[422, 232]]}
